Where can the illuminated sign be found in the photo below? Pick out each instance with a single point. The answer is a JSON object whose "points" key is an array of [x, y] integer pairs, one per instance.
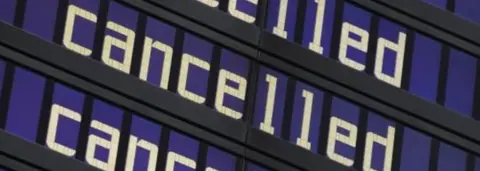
{"points": [[78, 125], [206, 73], [377, 46], [64, 111]]}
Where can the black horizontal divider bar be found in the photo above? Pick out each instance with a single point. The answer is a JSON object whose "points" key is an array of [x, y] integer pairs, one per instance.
{"points": [[37, 156], [271, 145], [388, 100], [245, 30], [438, 113], [10, 163], [453, 30], [423, 18], [367, 86], [93, 71], [214, 19], [440, 18], [134, 94]]}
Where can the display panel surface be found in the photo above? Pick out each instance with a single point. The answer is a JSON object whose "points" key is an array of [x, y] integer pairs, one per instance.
{"points": [[389, 51], [209, 74], [92, 130]]}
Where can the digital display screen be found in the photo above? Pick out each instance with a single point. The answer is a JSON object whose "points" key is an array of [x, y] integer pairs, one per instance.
{"points": [[92, 130], [206, 73], [384, 49], [79, 125]]}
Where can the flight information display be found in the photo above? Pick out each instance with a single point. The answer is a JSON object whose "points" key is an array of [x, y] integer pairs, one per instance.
{"points": [[82, 126], [76, 124], [367, 42], [92, 130]]}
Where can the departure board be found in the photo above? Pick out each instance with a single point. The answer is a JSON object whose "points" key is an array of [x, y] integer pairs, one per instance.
{"points": [[357, 38], [80, 125], [90, 129], [166, 56]]}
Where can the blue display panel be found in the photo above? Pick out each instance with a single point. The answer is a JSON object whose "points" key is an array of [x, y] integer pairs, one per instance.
{"points": [[382, 48], [318, 26], [270, 101], [207, 73], [344, 118], [155, 60], [195, 68], [7, 11], [415, 154], [364, 41], [306, 116], [287, 20], [69, 109], [39, 13], [140, 152], [25, 84], [318, 16], [467, 10], [158, 53], [220, 160]]}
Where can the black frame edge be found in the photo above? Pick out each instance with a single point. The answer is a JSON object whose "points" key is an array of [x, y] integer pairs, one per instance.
{"points": [[13, 164], [250, 34], [204, 30], [271, 163], [265, 38], [214, 19], [38, 155], [440, 18], [70, 64], [287, 51], [125, 84], [389, 101], [310, 161], [468, 45], [130, 105], [466, 131]]}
